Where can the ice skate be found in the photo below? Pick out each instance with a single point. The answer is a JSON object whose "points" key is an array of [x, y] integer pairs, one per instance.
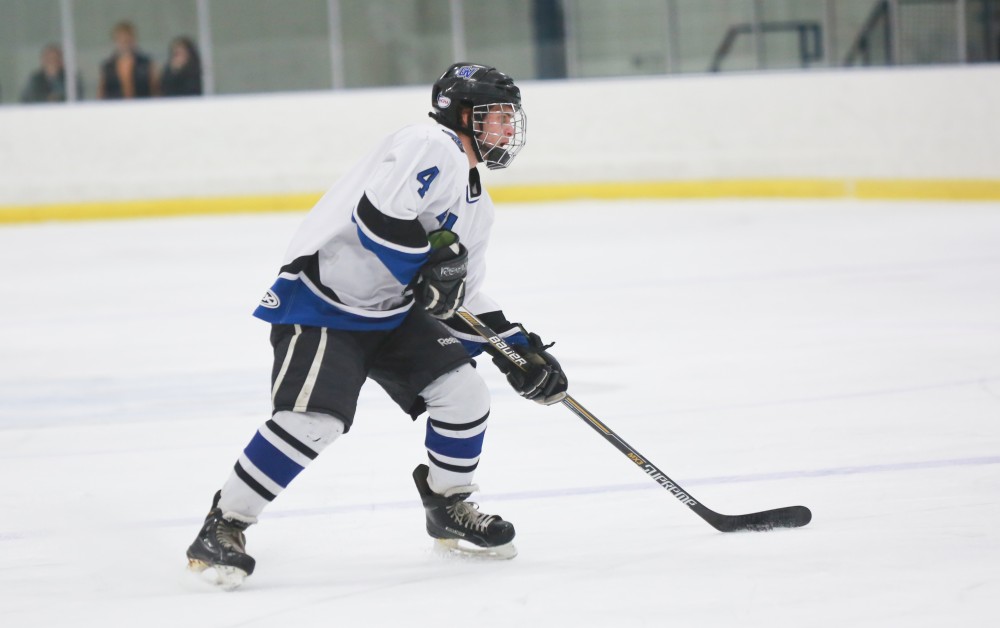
{"points": [[457, 526], [219, 552]]}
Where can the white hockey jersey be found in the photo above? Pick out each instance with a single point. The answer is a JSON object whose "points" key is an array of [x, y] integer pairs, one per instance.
{"points": [[351, 262]]}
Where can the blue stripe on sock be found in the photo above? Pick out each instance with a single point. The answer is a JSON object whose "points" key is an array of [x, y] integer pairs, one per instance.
{"points": [[269, 459], [464, 448]]}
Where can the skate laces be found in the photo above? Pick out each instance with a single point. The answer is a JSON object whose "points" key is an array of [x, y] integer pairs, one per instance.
{"points": [[467, 514], [230, 535]]}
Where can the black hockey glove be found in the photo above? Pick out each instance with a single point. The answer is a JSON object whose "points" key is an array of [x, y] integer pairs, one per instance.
{"points": [[542, 380], [440, 283]]}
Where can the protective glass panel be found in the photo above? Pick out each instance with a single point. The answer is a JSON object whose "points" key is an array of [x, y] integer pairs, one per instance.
{"points": [[928, 32], [710, 35], [268, 46], [386, 42], [861, 32], [627, 37], [982, 26], [154, 24], [500, 33], [792, 33], [26, 28]]}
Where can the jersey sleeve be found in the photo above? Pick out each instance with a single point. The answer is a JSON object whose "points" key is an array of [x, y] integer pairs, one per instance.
{"points": [[416, 176], [420, 173]]}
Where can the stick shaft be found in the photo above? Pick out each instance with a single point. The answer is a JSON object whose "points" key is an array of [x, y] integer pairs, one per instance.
{"points": [[789, 517]]}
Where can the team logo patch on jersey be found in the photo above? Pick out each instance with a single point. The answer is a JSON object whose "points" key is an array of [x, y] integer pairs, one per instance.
{"points": [[270, 300], [443, 102], [466, 71]]}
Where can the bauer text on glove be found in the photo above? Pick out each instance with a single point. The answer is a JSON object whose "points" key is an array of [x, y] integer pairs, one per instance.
{"points": [[542, 379]]}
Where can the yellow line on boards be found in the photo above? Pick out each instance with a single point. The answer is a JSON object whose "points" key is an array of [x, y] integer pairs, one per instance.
{"points": [[867, 189], [671, 189], [157, 208]]}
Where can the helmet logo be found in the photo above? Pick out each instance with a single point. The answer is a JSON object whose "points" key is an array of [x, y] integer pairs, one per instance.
{"points": [[443, 102], [466, 71]]}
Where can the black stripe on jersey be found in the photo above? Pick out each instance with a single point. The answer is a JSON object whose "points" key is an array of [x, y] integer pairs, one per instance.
{"points": [[459, 427], [308, 265], [494, 320], [406, 233], [298, 445], [242, 474], [452, 467]]}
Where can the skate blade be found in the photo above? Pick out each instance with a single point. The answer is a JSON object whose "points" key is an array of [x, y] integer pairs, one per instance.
{"points": [[453, 548], [226, 578]]}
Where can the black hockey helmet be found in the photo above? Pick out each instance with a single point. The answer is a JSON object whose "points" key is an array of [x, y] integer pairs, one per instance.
{"points": [[481, 90]]}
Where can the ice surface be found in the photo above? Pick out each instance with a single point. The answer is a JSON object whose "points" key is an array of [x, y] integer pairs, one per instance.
{"points": [[841, 355]]}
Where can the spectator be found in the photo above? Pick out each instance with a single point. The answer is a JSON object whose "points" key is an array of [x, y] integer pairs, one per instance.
{"points": [[182, 73], [48, 83], [128, 72]]}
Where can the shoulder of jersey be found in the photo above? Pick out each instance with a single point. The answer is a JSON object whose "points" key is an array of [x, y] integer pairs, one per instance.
{"points": [[438, 135]]}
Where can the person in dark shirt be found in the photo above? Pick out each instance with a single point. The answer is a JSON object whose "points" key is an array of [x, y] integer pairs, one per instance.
{"points": [[182, 73], [48, 83], [128, 72]]}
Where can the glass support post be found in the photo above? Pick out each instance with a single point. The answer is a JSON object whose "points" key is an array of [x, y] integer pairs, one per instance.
{"points": [[457, 11], [830, 33], [673, 34], [895, 46], [336, 40], [961, 34], [69, 49], [205, 43], [758, 34]]}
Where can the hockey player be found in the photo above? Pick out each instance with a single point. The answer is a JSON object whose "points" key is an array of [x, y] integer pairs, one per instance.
{"points": [[369, 288]]}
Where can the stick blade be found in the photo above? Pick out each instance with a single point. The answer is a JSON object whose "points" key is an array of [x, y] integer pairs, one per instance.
{"points": [[788, 517]]}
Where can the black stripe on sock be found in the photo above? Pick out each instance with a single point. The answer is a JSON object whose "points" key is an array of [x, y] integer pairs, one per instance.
{"points": [[242, 474], [298, 445], [452, 467], [458, 427]]}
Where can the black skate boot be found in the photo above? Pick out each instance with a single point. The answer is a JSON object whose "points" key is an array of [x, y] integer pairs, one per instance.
{"points": [[221, 546], [450, 519]]}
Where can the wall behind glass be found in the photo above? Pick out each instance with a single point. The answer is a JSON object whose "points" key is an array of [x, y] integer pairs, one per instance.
{"points": [[792, 33], [983, 27], [703, 25], [500, 33], [386, 42], [156, 23], [26, 26], [269, 45], [927, 32], [619, 38]]}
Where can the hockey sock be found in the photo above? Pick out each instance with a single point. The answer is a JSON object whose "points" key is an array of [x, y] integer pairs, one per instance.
{"points": [[458, 404], [278, 452]]}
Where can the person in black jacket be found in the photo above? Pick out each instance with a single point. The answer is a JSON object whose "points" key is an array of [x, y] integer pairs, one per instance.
{"points": [[182, 73], [48, 83], [128, 72]]}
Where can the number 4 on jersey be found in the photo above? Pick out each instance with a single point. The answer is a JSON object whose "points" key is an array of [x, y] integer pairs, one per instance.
{"points": [[426, 177]]}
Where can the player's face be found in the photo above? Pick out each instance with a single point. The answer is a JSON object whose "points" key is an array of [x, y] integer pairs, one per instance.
{"points": [[497, 127]]}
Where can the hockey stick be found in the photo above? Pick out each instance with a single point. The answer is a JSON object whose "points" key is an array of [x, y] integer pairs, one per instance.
{"points": [[788, 517]]}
